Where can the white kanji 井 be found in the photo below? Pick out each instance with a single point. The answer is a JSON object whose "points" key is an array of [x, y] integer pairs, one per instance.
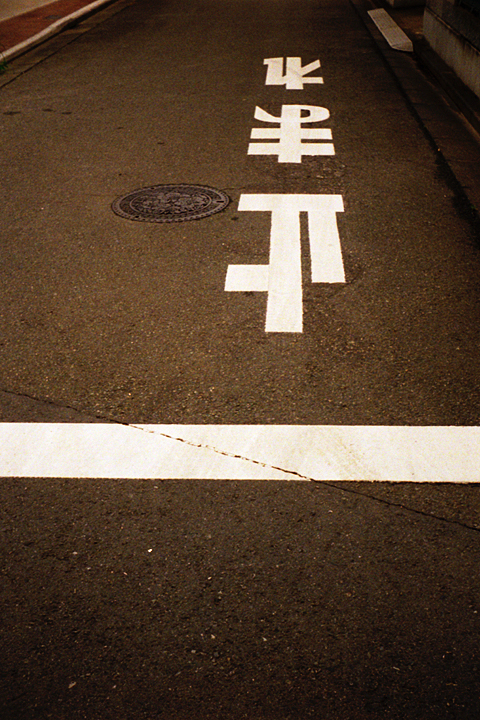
{"points": [[290, 136], [294, 77], [282, 277]]}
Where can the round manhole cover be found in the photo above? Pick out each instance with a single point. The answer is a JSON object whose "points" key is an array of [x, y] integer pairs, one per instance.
{"points": [[171, 203]]}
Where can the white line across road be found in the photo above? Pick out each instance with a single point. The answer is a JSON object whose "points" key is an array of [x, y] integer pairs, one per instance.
{"points": [[236, 452]]}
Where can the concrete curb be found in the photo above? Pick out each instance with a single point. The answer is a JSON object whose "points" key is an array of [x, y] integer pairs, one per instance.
{"points": [[454, 141], [463, 97], [53, 29]]}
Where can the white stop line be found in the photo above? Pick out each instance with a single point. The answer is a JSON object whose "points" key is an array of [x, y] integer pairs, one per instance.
{"points": [[240, 452]]}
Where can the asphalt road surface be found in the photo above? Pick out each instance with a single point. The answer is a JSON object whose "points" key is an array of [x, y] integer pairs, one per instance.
{"points": [[183, 403]]}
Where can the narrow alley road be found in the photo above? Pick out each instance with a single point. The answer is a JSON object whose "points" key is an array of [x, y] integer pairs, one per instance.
{"points": [[240, 451]]}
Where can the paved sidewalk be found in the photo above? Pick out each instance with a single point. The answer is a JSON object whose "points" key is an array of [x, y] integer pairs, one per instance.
{"points": [[11, 8], [20, 32]]}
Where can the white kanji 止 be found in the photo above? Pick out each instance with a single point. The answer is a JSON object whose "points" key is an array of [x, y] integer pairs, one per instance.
{"points": [[294, 77], [281, 279], [290, 137]]}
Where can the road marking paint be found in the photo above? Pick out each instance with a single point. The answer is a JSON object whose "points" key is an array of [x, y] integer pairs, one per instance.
{"points": [[282, 277], [325, 248], [289, 145], [394, 35], [97, 450], [247, 278], [294, 78], [255, 452]]}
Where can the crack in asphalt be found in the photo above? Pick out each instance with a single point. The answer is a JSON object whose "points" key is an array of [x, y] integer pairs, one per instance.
{"points": [[391, 503], [225, 453], [323, 483], [58, 406]]}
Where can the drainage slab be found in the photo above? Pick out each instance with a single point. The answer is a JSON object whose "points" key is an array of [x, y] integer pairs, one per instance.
{"points": [[171, 203]]}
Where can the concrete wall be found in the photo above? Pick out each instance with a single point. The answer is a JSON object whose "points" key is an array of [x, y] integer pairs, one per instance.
{"points": [[454, 33]]}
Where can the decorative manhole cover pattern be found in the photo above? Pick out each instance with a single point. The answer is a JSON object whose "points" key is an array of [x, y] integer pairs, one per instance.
{"points": [[171, 203]]}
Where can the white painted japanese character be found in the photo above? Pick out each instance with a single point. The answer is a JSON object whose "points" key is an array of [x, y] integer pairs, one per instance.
{"points": [[294, 77], [290, 136], [282, 277]]}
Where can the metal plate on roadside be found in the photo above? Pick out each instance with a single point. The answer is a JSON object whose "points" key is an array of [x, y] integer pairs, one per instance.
{"points": [[171, 203]]}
